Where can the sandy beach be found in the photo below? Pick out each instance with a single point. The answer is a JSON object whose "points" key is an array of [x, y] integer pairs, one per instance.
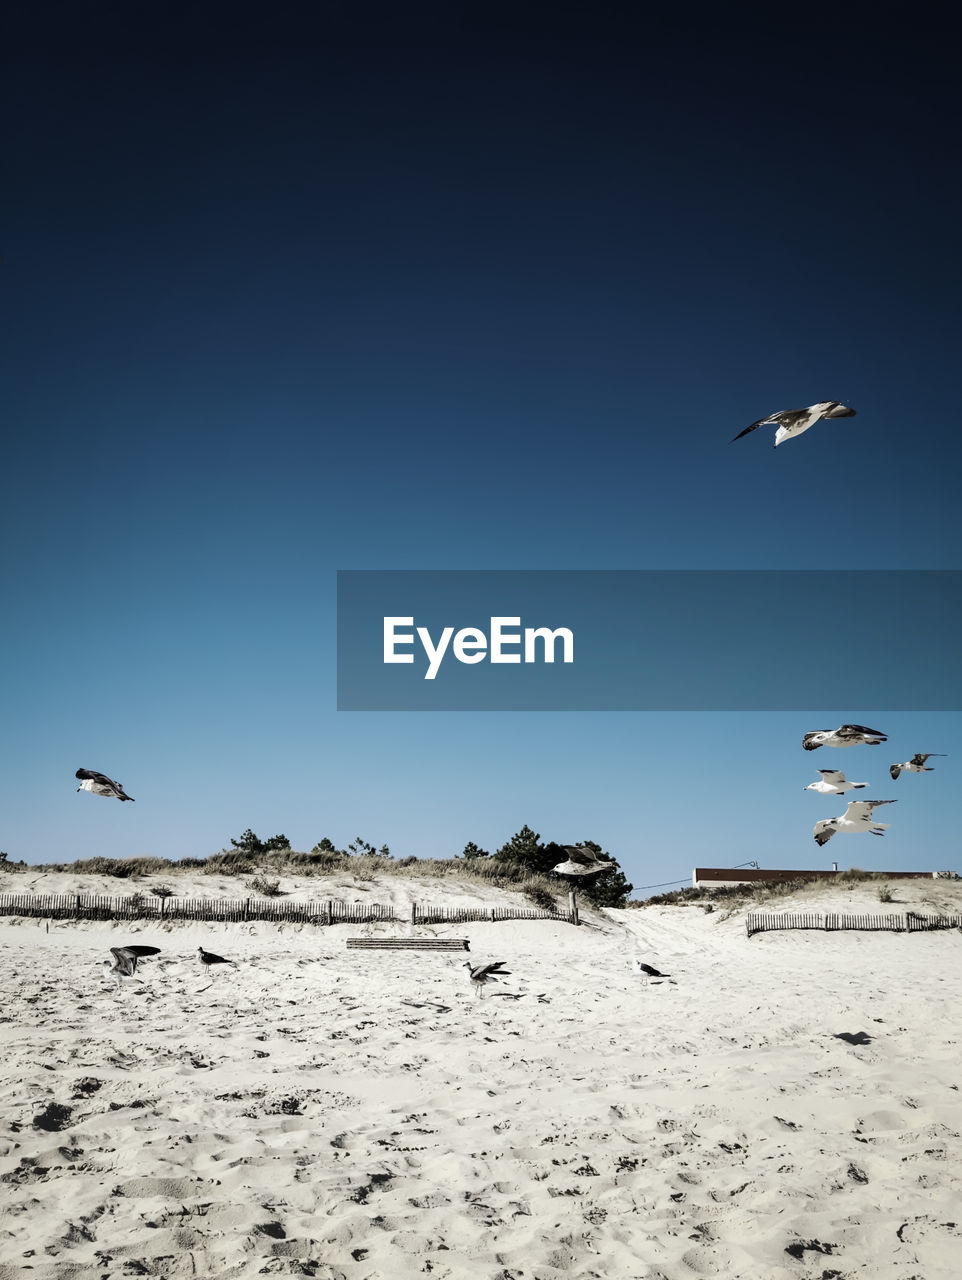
{"points": [[782, 1106]]}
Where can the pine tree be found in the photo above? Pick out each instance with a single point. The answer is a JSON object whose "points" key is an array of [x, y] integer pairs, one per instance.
{"points": [[471, 850]]}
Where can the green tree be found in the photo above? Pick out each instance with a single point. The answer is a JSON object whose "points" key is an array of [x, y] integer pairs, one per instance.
{"points": [[360, 848], [249, 843], [524, 849], [324, 846], [471, 850], [609, 888], [276, 843]]}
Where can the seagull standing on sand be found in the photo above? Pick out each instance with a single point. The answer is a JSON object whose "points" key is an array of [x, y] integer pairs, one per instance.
{"points": [[649, 971], [100, 785], [846, 735], [208, 958], [482, 974], [125, 961], [915, 765], [833, 783], [856, 818], [792, 422]]}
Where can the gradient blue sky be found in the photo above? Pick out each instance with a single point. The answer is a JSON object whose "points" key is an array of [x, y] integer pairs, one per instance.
{"points": [[288, 291]]}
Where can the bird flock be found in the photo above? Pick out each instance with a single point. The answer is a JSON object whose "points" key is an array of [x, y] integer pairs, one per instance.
{"points": [[859, 817]]}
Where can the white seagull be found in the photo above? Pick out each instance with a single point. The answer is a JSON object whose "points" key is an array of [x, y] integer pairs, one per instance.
{"points": [[125, 960], [846, 735], [792, 422], [581, 862], [100, 785], [856, 818], [482, 974], [915, 765], [833, 783]]}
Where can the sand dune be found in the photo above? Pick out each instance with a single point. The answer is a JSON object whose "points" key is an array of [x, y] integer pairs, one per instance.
{"points": [[785, 1106]]}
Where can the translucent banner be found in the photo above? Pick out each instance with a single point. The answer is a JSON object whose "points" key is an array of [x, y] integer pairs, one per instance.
{"points": [[648, 640]]}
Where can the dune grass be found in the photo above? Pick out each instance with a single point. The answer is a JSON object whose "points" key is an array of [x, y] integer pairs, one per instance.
{"points": [[764, 890], [540, 890]]}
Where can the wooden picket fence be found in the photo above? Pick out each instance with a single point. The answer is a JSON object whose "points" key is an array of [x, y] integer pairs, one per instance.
{"points": [[909, 922], [95, 906], [421, 914]]}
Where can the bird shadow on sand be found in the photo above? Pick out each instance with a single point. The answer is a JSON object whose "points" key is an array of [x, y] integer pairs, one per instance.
{"points": [[854, 1037], [427, 1004]]}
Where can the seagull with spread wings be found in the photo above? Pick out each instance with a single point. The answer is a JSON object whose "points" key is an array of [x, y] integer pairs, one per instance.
{"points": [[482, 974], [833, 783], [792, 422], [846, 735], [99, 784], [915, 765], [857, 818], [125, 960]]}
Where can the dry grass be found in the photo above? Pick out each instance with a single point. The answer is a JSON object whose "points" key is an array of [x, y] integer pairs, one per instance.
{"points": [[765, 891], [363, 868]]}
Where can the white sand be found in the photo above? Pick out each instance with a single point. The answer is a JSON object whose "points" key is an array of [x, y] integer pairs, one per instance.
{"points": [[297, 1117]]}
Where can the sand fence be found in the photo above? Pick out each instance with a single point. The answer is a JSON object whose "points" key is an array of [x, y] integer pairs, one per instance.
{"points": [[907, 922], [95, 906]]}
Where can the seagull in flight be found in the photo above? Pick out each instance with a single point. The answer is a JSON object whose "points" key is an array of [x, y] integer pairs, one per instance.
{"points": [[915, 765], [482, 974], [792, 422], [833, 783], [100, 785], [846, 735], [125, 960], [581, 862], [858, 817]]}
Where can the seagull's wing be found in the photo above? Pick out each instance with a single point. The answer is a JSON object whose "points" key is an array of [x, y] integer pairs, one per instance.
{"points": [[858, 730], [762, 422], [577, 853], [495, 967], [126, 960], [823, 832], [895, 770], [861, 810], [920, 758], [784, 418], [127, 957], [94, 776], [833, 776], [839, 411]]}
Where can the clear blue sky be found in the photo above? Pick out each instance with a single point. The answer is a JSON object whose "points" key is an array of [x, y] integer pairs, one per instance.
{"points": [[287, 292]]}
